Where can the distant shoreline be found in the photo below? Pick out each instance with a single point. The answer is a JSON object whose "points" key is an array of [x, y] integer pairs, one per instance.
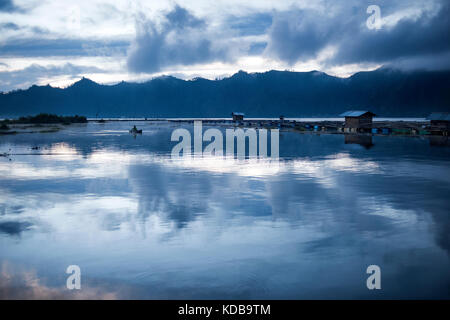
{"points": [[305, 119], [381, 126]]}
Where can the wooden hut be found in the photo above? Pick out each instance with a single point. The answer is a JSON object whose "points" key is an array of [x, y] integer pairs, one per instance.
{"points": [[237, 116], [440, 120], [358, 119]]}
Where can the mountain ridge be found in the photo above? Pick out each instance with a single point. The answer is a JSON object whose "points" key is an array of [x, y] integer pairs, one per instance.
{"points": [[387, 92]]}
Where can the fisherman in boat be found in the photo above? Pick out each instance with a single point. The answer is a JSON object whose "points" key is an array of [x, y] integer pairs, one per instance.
{"points": [[135, 130]]}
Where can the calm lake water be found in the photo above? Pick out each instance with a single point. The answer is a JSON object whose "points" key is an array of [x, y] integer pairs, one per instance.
{"points": [[141, 225]]}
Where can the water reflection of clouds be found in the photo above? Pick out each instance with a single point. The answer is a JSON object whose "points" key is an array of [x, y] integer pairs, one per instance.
{"points": [[107, 163], [170, 189], [24, 284], [146, 212]]}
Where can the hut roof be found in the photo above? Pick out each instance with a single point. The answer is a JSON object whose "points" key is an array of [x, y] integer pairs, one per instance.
{"points": [[356, 113], [445, 116], [237, 114]]}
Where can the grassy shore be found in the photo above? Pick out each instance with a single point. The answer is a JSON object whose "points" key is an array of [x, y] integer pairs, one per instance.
{"points": [[40, 123], [45, 118]]}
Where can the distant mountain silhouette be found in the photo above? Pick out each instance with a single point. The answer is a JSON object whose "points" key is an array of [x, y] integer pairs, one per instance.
{"points": [[386, 92]]}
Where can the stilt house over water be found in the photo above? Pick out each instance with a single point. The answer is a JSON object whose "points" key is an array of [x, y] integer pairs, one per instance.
{"points": [[358, 119], [237, 116]]}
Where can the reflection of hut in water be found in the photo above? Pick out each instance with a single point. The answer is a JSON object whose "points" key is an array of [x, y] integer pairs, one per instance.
{"points": [[361, 139], [439, 141], [358, 119]]}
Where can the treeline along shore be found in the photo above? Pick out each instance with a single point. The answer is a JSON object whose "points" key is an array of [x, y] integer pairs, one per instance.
{"points": [[46, 118], [43, 122]]}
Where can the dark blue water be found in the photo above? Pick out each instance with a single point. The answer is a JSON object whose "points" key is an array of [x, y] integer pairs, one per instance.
{"points": [[141, 225]]}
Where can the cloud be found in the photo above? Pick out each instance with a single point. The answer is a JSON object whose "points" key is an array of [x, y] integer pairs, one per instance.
{"points": [[35, 73], [251, 24], [326, 35], [14, 227], [181, 39], [9, 26], [427, 35], [420, 31], [23, 31], [299, 35], [431, 62], [180, 18], [42, 47], [7, 6]]}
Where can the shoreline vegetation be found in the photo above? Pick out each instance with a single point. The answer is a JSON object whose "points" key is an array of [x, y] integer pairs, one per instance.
{"points": [[45, 118], [41, 123]]}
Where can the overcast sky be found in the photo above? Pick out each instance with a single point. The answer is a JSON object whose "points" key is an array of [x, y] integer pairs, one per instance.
{"points": [[56, 42]]}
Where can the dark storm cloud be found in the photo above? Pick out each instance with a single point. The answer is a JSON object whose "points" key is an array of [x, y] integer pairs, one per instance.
{"points": [[180, 18], [14, 227], [181, 39], [424, 36], [301, 34], [25, 77]]}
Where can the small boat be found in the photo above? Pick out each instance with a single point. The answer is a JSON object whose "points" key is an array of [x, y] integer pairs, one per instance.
{"points": [[134, 130]]}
